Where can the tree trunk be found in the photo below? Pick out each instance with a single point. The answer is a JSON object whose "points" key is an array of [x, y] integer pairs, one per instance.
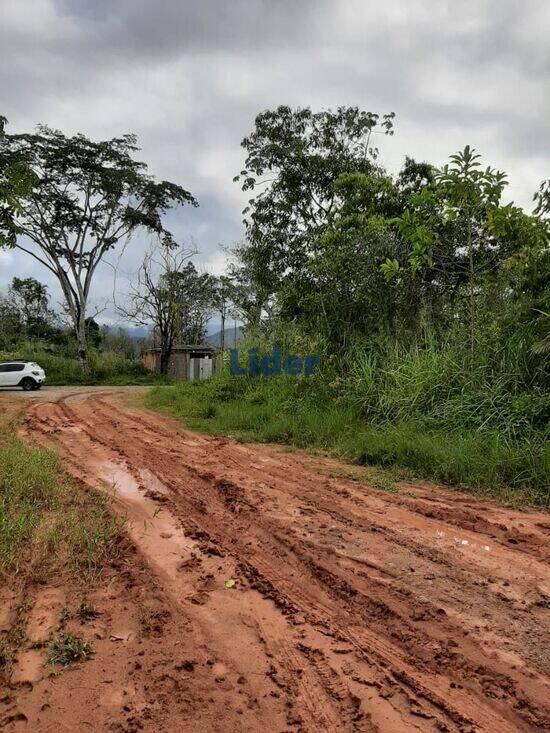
{"points": [[471, 273], [222, 335], [165, 354], [82, 345]]}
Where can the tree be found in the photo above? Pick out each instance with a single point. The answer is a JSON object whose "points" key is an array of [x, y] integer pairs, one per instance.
{"points": [[195, 304], [86, 196], [171, 296], [31, 298], [11, 323], [94, 334], [16, 180], [253, 299], [542, 200], [120, 341], [223, 296], [293, 159], [471, 195], [533, 271]]}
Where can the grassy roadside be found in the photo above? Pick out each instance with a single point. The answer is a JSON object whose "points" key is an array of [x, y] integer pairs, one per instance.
{"points": [[49, 528], [106, 368], [47, 524], [286, 411]]}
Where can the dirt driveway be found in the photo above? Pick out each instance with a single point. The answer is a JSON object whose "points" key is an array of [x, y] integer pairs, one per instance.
{"points": [[322, 604]]}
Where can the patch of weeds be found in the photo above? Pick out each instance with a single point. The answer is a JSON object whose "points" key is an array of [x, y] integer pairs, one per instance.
{"points": [[6, 658], [383, 483], [47, 524], [381, 479], [13, 639], [64, 616], [67, 649], [86, 612], [93, 534], [38, 644]]}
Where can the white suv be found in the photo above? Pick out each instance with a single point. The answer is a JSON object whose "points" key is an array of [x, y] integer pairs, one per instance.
{"points": [[19, 373]]}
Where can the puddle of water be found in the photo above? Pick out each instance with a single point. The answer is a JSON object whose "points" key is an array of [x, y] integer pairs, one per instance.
{"points": [[151, 525], [122, 481]]}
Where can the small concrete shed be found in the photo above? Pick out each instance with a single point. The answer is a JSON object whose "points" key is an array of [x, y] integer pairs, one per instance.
{"points": [[186, 362]]}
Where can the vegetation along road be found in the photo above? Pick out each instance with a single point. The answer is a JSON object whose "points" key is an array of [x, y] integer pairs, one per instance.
{"points": [[262, 589]]}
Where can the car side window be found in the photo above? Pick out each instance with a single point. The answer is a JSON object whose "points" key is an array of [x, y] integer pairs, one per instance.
{"points": [[11, 367], [3, 367]]}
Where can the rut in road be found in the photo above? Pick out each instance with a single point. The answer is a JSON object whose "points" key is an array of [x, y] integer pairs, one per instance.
{"points": [[354, 608]]}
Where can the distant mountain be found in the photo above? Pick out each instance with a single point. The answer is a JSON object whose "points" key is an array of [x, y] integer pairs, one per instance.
{"points": [[135, 332], [214, 339], [138, 332]]}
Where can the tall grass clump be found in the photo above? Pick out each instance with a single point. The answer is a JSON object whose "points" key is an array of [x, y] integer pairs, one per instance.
{"points": [[442, 388]]}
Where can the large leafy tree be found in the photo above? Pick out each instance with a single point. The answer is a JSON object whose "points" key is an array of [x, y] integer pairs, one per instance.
{"points": [[86, 197], [531, 269], [344, 294], [11, 323], [294, 157], [462, 240], [472, 197], [251, 294]]}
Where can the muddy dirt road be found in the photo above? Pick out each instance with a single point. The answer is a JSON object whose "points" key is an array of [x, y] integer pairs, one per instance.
{"points": [[323, 604]]}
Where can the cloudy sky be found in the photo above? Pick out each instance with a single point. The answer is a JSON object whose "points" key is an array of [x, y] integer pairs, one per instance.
{"points": [[189, 78]]}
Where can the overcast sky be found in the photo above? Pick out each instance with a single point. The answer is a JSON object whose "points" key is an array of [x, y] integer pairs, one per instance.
{"points": [[189, 77]]}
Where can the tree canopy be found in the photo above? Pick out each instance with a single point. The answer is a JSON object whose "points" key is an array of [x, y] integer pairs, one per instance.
{"points": [[344, 250], [84, 198]]}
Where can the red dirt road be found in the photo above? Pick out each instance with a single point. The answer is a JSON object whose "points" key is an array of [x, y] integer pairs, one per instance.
{"points": [[353, 609]]}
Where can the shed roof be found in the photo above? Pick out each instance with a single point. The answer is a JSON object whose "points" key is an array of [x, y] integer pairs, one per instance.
{"points": [[185, 348]]}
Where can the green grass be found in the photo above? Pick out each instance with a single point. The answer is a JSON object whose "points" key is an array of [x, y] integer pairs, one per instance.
{"points": [[106, 367], [47, 523], [67, 649], [311, 414]]}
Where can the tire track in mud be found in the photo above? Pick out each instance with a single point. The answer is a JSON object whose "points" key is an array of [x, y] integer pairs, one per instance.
{"points": [[409, 663], [494, 591], [110, 441]]}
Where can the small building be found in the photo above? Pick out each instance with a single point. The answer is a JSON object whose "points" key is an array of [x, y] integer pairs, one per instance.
{"points": [[186, 362]]}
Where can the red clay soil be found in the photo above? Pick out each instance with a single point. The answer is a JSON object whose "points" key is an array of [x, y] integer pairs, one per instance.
{"points": [[287, 597]]}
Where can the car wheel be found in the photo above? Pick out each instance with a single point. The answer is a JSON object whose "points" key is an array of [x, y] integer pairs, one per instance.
{"points": [[28, 384]]}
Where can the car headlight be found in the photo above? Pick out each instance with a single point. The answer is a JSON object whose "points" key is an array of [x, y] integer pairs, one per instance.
{"points": [[36, 374]]}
